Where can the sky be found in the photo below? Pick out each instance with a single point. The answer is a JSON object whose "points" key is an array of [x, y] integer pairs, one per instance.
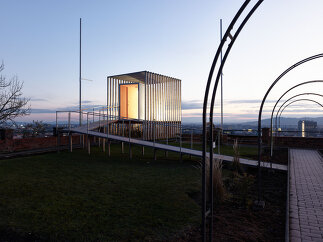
{"points": [[39, 44]]}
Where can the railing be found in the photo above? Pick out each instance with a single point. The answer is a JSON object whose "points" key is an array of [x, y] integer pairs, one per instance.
{"points": [[155, 131]]}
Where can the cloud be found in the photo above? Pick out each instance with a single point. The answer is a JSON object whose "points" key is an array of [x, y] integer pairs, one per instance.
{"points": [[38, 99], [87, 101], [40, 110], [193, 104], [319, 110], [250, 101], [67, 108]]}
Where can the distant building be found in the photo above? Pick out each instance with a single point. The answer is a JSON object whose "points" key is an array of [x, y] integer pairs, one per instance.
{"points": [[306, 126]]}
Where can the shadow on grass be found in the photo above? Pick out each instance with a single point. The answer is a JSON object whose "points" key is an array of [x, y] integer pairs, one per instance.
{"points": [[77, 197]]}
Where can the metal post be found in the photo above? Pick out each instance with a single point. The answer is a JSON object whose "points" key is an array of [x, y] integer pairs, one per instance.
{"points": [[57, 137], [88, 144], [100, 127], [180, 143], [80, 75], [87, 120], [71, 142], [130, 148], [219, 144], [191, 142], [69, 121], [142, 129], [69, 133], [205, 102], [154, 130], [166, 152], [122, 143]]}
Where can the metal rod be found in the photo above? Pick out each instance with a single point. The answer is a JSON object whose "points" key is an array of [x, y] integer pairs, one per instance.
{"points": [[221, 80], [315, 94], [80, 75], [298, 100], [245, 20], [122, 143], [272, 113], [130, 150], [203, 210], [262, 105]]}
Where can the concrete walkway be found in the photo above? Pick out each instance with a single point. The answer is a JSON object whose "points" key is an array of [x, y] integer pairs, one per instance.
{"points": [[172, 148], [305, 196]]}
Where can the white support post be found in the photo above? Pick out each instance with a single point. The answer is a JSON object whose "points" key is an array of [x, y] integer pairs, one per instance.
{"points": [[130, 148], [122, 143]]}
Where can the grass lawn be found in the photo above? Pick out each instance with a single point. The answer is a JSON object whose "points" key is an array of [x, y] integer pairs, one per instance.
{"points": [[245, 151], [81, 197]]}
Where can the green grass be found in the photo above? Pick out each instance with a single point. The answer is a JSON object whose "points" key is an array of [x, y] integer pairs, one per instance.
{"points": [[245, 151], [81, 197]]}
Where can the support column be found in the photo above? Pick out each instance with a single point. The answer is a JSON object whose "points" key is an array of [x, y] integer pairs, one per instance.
{"points": [[103, 140], [71, 141], [122, 143], [88, 145], [58, 141], [130, 148]]}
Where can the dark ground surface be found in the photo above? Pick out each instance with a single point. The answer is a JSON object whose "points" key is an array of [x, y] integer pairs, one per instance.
{"points": [[235, 221]]}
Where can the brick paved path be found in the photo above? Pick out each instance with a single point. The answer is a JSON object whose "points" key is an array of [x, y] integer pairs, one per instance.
{"points": [[306, 196]]}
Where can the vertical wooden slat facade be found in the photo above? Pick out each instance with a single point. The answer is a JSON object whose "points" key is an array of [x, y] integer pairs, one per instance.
{"points": [[161, 104]]}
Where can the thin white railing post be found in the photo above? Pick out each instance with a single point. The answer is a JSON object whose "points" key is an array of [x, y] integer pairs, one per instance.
{"points": [[154, 130], [87, 120], [122, 143], [191, 142], [130, 148], [180, 142], [57, 133]]}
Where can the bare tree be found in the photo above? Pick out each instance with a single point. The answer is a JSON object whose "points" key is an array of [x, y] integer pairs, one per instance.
{"points": [[12, 104]]}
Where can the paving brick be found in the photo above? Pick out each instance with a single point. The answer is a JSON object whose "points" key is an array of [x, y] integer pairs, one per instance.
{"points": [[306, 195]]}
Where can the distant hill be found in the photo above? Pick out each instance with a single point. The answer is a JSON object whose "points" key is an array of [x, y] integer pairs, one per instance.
{"points": [[285, 121]]}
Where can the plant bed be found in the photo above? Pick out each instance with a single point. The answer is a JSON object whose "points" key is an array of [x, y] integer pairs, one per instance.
{"points": [[280, 155], [236, 219]]}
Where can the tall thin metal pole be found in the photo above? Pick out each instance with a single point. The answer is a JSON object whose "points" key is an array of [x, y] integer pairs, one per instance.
{"points": [[219, 135], [80, 107], [221, 79]]}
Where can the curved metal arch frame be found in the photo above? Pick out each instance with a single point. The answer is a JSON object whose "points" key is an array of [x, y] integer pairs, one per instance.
{"points": [[211, 138], [272, 113], [216, 57], [220, 72], [298, 100], [301, 94], [262, 105]]}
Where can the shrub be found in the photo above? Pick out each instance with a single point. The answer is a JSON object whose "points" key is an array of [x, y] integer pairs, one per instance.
{"points": [[218, 186], [241, 186], [236, 166]]}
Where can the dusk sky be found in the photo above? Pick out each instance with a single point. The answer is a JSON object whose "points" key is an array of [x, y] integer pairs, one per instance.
{"points": [[40, 44]]}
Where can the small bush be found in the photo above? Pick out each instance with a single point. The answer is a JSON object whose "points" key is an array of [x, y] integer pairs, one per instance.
{"points": [[236, 166], [241, 186], [218, 186]]}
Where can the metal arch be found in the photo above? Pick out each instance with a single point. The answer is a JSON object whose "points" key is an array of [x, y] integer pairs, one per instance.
{"points": [[220, 72], [316, 94], [226, 35], [233, 39], [272, 113], [262, 105], [298, 100]]}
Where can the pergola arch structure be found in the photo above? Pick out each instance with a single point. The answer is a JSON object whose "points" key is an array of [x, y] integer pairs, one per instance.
{"points": [[272, 113], [205, 102], [301, 94], [298, 100], [262, 105]]}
